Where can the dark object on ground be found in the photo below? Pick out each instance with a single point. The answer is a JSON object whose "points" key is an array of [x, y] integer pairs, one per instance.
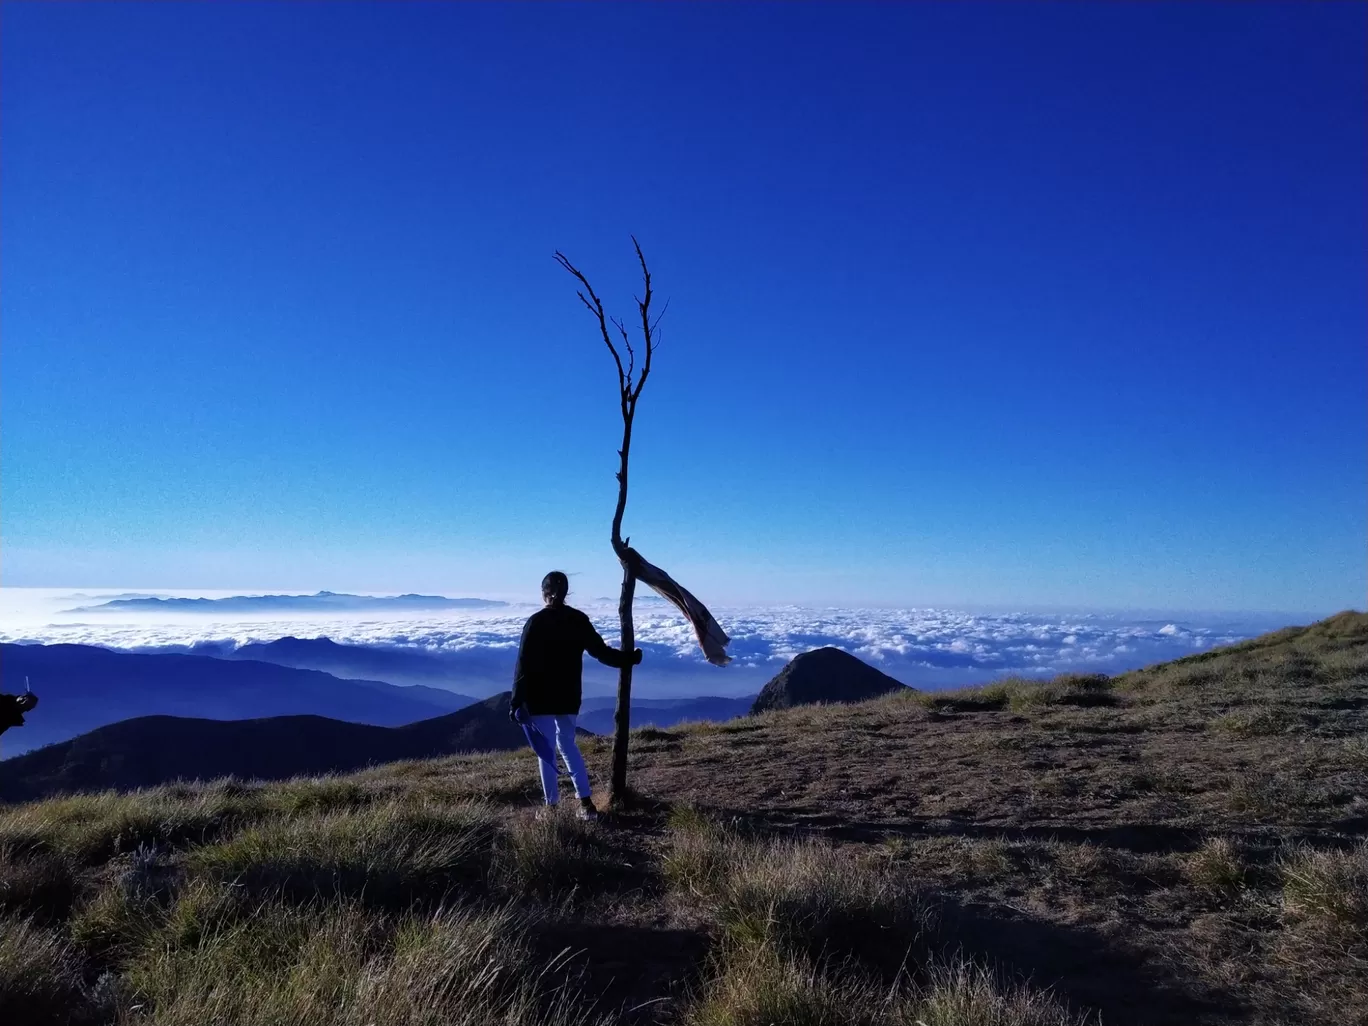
{"points": [[824, 675], [155, 750], [13, 707]]}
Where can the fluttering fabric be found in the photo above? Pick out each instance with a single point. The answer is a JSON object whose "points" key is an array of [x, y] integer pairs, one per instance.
{"points": [[711, 637]]}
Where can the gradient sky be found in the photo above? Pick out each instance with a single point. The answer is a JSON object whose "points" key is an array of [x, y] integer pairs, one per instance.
{"points": [[1027, 305]]}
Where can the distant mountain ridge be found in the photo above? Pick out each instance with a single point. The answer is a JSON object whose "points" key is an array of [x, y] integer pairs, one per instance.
{"points": [[82, 687], [152, 750], [322, 601], [824, 675], [389, 663]]}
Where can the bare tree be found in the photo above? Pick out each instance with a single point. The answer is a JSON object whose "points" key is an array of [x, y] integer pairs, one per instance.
{"points": [[634, 567], [630, 385]]}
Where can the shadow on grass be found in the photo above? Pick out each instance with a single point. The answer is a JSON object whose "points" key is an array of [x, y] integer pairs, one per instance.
{"points": [[1082, 967], [633, 972], [1085, 968]]}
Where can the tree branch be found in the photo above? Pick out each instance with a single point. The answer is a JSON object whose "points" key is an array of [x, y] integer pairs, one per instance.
{"points": [[644, 306], [631, 353], [596, 308]]}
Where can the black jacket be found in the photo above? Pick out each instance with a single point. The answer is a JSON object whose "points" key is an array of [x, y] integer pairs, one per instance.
{"points": [[549, 676]]}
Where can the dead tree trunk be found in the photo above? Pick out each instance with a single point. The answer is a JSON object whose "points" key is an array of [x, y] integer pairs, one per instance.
{"points": [[630, 385]]}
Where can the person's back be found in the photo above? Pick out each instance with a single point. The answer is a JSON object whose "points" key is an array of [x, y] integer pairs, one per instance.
{"points": [[548, 683], [549, 678]]}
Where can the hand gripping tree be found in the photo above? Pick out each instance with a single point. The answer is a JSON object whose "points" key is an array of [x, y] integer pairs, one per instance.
{"points": [[711, 637]]}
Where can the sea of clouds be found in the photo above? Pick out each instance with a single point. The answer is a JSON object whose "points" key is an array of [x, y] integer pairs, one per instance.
{"points": [[926, 648]]}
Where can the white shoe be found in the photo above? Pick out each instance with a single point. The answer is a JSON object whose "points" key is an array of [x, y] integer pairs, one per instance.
{"points": [[587, 811]]}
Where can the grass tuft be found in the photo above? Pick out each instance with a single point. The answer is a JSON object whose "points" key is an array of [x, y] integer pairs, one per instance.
{"points": [[40, 884], [42, 978], [1328, 891], [799, 897], [1022, 694], [962, 994], [1260, 720], [389, 855], [343, 963], [1216, 869], [555, 856], [761, 987]]}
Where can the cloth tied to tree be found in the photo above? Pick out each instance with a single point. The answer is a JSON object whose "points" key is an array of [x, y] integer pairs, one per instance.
{"points": [[711, 637]]}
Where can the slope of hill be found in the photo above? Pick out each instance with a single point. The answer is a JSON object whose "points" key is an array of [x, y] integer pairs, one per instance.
{"points": [[82, 687], [826, 675], [155, 750], [1186, 845], [597, 713]]}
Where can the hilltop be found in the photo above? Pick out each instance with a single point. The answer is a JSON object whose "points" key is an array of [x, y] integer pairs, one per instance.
{"points": [[823, 676], [1180, 845]]}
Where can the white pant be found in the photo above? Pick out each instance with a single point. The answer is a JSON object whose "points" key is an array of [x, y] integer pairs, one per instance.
{"points": [[561, 730]]}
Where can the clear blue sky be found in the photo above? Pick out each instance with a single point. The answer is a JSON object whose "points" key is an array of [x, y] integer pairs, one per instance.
{"points": [[1030, 305]]}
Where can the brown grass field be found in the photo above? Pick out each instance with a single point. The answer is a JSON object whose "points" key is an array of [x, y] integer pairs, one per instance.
{"points": [[1183, 844]]}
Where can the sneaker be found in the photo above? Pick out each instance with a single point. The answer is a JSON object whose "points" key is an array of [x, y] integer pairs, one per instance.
{"points": [[546, 812], [587, 811]]}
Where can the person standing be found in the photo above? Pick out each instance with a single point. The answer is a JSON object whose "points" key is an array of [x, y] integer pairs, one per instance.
{"points": [[548, 684]]}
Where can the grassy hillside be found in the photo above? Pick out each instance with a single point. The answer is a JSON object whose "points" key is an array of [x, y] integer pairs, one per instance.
{"points": [[1183, 844], [154, 750]]}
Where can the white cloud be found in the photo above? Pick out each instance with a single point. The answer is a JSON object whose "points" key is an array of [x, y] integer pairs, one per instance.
{"points": [[919, 646]]}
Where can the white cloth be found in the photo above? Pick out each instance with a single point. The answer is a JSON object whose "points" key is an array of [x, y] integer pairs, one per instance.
{"points": [[561, 731], [711, 637]]}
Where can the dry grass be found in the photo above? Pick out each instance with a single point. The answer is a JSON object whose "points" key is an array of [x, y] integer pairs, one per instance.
{"points": [[339, 964], [760, 987], [41, 979], [1216, 868], [799, 897], [389, 854], [1328, 891], [1183, 844], [559, 857], [1021, 694], [1255, 721]]}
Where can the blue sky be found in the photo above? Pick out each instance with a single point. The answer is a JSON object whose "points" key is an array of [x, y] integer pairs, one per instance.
{"points": [[1028, 305]]}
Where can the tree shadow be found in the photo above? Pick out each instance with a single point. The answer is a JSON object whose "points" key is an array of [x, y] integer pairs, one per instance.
{"points": [[1083, 967], [1139, 838]]}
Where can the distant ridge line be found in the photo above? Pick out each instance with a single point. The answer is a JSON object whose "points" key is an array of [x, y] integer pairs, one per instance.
{"points": [[322, 601]]}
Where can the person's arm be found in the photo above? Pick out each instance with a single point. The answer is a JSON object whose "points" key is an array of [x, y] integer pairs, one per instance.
{"points": [[520, 672], [600, 650]]}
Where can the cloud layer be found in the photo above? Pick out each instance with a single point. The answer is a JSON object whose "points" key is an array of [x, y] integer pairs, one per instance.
{"points": [[922, 647]]}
